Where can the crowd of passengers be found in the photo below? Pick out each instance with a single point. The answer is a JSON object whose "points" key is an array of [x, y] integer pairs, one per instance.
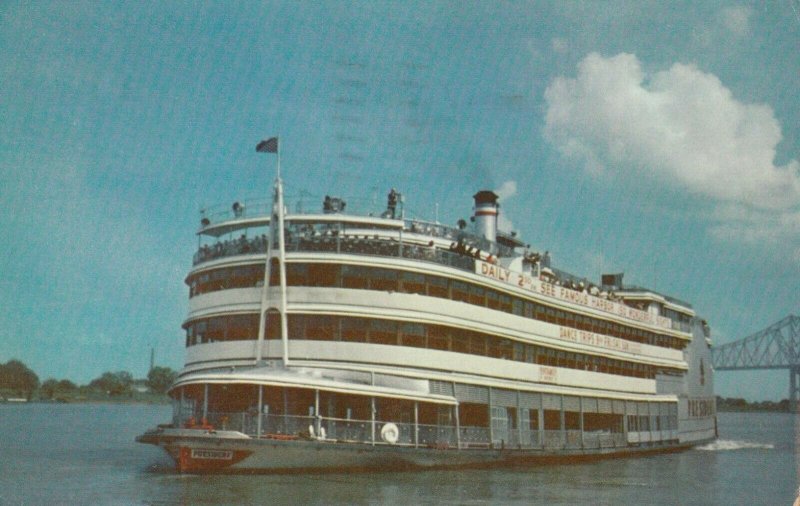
{"points": [[240, 246], [332, 241]]}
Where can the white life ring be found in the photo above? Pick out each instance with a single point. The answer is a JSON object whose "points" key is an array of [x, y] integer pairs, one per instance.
{"points": [[390, 433]]}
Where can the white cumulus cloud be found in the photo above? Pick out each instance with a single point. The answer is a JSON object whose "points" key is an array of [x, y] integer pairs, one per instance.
{"points": [[737, 223], [684, 129], [681, 126]]}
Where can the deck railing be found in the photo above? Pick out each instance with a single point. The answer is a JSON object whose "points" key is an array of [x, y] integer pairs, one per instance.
{"points": [[553, 439], [359, 431], [422, 435], [344, 245]]}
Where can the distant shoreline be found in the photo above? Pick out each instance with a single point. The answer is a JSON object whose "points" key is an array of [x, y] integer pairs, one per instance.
{"points": [[750, 410], [153, 402], [738, 405]]}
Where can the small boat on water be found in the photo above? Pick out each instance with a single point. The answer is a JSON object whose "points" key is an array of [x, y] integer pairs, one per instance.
{"points": [[333, 339]]}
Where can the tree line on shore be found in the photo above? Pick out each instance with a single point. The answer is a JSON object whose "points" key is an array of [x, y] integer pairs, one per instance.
{"points": [[17, 380], [739, 404]]}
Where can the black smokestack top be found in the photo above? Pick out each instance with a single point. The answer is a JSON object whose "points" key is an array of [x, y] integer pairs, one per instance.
{"points": [[485, 197]]}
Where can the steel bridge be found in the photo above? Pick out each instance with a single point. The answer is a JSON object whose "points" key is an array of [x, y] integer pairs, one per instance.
{"points": [[775, 347]]}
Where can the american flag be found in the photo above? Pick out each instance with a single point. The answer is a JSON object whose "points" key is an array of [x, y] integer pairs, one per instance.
{"points": [[268, 146]]}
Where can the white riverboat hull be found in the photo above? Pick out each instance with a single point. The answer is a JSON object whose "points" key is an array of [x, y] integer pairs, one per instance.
{"points": [[233, 452]]}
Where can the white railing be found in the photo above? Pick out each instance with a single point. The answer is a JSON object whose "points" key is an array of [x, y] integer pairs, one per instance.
{"points": [[422, 435], [359, 431], [437, 436], [553, 439], [474, 437]]}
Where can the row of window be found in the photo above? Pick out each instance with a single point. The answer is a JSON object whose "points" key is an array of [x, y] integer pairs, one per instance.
{"points": [[418, 335], [528, 419], [375, 278], [244, 276]]}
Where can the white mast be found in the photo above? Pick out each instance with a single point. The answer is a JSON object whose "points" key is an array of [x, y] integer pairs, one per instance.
{"points": [[276, 232], [282, 259]]}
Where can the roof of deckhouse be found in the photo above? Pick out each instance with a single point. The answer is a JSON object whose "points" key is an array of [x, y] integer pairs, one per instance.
{"points": [[225, 227]]}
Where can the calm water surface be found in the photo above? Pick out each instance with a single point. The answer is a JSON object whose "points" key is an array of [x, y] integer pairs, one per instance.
{"points": [[85, 454]]}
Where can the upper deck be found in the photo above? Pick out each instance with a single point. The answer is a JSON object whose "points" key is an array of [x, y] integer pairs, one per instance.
{"points": [[339, 230]]}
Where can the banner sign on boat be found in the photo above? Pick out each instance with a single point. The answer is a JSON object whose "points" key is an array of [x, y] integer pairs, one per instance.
{"points": [[535, 285], [548, 374], [592, 339], [699, 408]]}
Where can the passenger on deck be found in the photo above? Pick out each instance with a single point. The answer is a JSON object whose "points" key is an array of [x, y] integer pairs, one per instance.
{"points": [[391, 205]]}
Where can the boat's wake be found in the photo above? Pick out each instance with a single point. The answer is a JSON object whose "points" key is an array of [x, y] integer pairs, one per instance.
{"points": [[727, 444]]}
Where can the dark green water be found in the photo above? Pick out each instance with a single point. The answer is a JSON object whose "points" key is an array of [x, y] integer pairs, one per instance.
{"points": [[85, 454]]}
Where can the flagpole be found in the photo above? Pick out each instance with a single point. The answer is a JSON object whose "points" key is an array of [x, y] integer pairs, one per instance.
{"points": [[282, 262], [264, 307]]}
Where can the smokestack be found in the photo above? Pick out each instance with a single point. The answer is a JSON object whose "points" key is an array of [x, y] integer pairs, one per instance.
{"points": [[486, 211]]}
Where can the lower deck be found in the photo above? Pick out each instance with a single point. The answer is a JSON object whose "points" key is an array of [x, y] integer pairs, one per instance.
{"points": [[472, 417]]}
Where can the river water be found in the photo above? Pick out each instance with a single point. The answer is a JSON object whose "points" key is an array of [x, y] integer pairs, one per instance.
{"points": [[85, 454]]}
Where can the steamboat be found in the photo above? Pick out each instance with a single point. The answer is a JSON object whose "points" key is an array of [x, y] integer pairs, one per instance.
{"points": [[330, 339]]}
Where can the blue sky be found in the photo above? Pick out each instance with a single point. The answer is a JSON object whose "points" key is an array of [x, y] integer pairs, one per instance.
{"points": [[659, 139]]}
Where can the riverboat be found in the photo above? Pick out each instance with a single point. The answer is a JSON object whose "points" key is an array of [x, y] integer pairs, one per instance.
{"points": [[331, 339]]}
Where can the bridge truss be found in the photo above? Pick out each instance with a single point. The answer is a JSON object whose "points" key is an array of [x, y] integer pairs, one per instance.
{"points": [[775, 347]]}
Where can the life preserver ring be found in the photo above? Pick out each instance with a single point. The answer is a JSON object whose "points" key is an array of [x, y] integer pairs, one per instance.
{"points": [[390, 433]]}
